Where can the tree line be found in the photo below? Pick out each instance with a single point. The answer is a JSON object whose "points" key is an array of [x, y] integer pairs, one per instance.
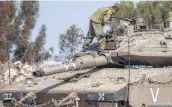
{"points": [[17, 20], [152, 12]]}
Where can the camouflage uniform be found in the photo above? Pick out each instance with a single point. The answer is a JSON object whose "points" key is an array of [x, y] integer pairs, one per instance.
{"points": [[169, 15], [97, 21]]}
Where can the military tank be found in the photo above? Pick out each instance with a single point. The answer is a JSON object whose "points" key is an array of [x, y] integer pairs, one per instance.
{"points": [[134, 70]]}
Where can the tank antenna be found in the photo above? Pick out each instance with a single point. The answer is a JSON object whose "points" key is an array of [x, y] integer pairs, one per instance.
{"points": [[128, 35]]}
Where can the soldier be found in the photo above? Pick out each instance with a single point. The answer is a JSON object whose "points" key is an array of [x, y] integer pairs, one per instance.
{"points": [[98, 19]]}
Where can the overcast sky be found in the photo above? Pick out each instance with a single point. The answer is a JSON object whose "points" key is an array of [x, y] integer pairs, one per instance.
{"points": [[58, 16]]}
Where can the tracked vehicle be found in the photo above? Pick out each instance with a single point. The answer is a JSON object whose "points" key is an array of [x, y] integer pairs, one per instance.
{"points": [[134, 71]]}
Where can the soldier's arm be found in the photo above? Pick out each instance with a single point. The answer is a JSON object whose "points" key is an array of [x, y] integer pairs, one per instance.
{"points": [[107, 17]]}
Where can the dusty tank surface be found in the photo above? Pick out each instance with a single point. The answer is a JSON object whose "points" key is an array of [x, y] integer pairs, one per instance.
{"points": [[134, 71]]}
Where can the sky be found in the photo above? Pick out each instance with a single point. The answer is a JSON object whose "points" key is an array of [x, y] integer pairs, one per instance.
{"points": [[58, 16]]}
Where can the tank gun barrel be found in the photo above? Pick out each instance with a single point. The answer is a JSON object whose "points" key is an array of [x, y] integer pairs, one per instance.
{"points": [[84, 62]]}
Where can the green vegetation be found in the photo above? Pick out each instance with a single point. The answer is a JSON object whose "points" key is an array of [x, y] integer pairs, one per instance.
{"points": [[69, 42], [126, 9], [153, 12], [17, 20]]}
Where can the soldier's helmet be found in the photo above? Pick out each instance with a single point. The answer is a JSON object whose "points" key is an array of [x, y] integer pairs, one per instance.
{"points": [[115, 8]]}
